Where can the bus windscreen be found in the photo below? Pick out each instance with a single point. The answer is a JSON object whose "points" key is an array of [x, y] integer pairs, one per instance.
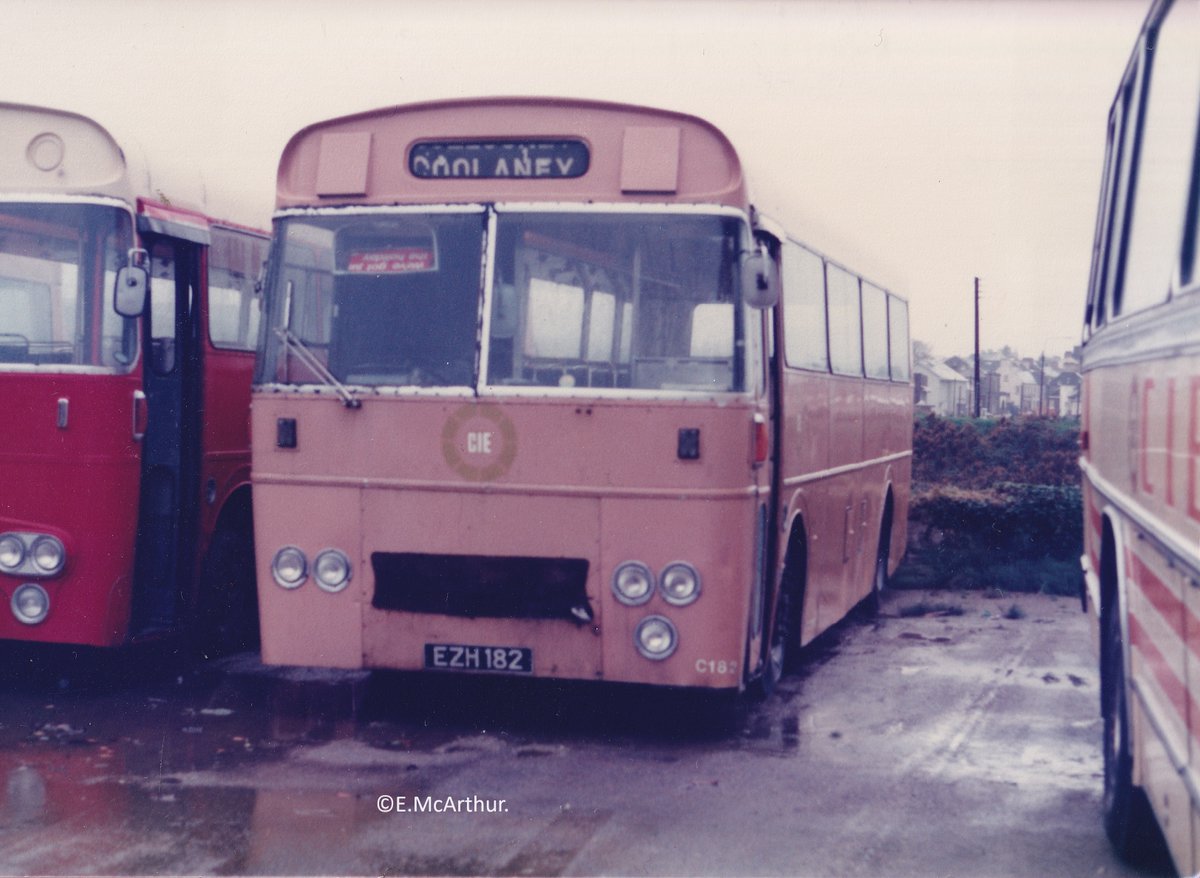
{"points": [[58, 264], [577, 300]]}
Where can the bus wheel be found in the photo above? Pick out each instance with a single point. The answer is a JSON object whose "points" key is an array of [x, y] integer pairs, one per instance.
{"points": [[1128, 818], [227, 608], [783, 651], [879, 582], [777, 654]]}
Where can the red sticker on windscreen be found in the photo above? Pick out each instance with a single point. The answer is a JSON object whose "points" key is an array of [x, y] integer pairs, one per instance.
{"points": [[397, 261]]}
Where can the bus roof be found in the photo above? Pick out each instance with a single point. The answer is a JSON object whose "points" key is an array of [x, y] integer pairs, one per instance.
{"points": [[46, 151], [510, 149]]}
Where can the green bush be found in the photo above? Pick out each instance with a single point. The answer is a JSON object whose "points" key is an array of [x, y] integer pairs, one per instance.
{"points": [[977, 454], [1018, 521], [996, 504]]}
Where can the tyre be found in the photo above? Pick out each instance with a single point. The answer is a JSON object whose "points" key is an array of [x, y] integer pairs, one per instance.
{"points": [[776, 661], [880, 581], [1129, 820], [227, 605], [785, 630]]}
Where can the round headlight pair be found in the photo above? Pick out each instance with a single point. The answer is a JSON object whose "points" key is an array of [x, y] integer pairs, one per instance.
{"points": [[633, 584], [32, 554], [331, 569]]}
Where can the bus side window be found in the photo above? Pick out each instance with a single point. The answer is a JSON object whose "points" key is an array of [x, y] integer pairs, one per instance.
{"points": [[898, 344], [233, 309], [1164, 160], [1115, 239], [845, 321], [805, 343], [1094, 313], [875, 331]]}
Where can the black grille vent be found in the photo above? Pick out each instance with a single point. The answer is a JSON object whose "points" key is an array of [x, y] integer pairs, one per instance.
{"points": [[482, 586]]}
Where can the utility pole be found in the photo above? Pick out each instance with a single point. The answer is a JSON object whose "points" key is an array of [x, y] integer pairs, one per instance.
{"points": [[977, 347], [1042, 385]]}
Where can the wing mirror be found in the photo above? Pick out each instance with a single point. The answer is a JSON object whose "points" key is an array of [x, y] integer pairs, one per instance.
{"points": [[133, 282], [760, 282]]}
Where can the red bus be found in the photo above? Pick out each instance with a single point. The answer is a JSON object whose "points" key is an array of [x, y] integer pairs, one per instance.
{"points": [[127, 331], [530, 402], [1141, 441]]}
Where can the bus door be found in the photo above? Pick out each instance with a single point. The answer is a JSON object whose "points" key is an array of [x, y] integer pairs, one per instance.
{"points": [[760, 378], [170, 447]]}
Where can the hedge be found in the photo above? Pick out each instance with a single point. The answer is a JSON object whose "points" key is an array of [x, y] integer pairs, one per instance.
{"points": [[996, 504]]}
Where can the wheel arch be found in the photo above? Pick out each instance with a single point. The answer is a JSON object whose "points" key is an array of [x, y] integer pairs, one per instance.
{"points": [[794, 570], [237, 510]]}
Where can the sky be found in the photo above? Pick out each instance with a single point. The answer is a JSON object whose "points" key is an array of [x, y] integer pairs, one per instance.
{"points": [[923, 143]]}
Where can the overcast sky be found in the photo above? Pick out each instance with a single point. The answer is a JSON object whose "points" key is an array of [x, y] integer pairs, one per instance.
{"points": [[927, 142]]}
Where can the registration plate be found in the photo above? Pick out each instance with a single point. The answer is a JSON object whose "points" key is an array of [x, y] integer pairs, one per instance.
{"points": [[463, 657]]}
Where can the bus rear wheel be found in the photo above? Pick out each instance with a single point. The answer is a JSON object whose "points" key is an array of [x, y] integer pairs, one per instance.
{"points": [[880, 581], [1128, 817]]}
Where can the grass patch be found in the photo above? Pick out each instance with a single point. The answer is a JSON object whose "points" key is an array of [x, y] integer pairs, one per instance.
{"points": [[1014, 612]]}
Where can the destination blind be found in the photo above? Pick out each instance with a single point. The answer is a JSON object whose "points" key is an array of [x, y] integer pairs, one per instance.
{"points": [[496, 159]]}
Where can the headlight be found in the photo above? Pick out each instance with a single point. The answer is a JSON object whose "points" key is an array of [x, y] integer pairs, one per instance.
{"points": [[289, 567], [680, 584], [655, 637], [30, 603], [332, 570], [633, 583], [31, 554], [48, 555], [12, 552]]}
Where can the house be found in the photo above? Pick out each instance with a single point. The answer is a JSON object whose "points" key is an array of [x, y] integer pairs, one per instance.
{"points": [[940, 390], [1008, 384]]}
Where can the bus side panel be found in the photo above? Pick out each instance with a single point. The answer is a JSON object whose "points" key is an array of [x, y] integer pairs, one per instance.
{"points": [[844, 548], [1156, 641], [1138, 419], [901, 482], [887, 431], [225, 438], [229, 321], [804, 424], [812, 426], [832, 422], [78, 482]]}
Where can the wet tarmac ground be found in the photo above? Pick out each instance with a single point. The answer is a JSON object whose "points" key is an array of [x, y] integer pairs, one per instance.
{"points": [[960, 743]]}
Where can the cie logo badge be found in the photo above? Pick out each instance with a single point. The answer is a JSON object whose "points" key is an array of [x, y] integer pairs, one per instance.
{"points": [[479, 442]]}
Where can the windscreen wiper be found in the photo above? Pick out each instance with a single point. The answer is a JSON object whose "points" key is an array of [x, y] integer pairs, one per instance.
{"points": [[312, 362]]}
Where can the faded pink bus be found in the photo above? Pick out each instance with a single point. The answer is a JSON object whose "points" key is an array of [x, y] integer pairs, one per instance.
{"points": [[530, 401]]}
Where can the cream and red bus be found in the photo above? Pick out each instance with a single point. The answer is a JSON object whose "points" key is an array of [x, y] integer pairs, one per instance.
{"points": [[127, 332], [541, 393], [1141, 444]]}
